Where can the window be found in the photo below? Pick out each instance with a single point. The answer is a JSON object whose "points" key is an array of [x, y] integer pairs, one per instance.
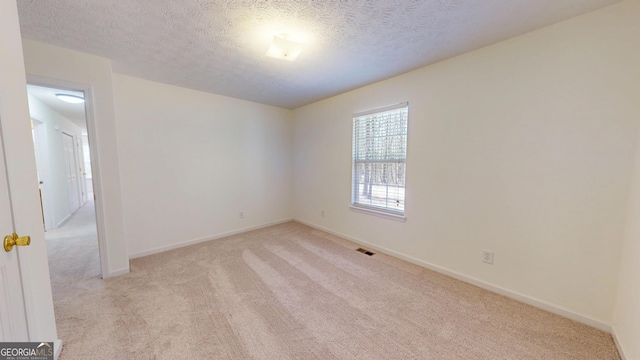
{"points": [[379, 160]]}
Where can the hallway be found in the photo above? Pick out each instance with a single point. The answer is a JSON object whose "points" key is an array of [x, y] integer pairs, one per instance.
{"points": [[73, 249]]}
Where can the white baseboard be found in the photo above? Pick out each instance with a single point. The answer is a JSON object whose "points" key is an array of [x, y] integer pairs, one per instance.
{"points": [[57, 349], [66, 218], [623, 355], [468, 279], [203, 239]]}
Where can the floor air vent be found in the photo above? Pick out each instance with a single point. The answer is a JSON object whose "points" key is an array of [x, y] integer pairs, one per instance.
{"points": [[364, 251]]}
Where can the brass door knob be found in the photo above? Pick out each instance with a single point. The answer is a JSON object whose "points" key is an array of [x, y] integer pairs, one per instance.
{"points": [[13, 240]]}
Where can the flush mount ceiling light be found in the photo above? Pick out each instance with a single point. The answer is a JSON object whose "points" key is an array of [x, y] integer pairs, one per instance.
{"points": [[284, 48], [73, 99]]}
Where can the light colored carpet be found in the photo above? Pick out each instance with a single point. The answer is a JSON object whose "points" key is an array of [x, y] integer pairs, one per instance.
{"points": [[73, 247], [291, 292]]}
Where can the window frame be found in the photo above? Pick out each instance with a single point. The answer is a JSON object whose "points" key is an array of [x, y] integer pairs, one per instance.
{"points": [[385, 212]]}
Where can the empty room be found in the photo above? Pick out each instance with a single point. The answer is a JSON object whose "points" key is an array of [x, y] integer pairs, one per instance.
{"points": [[429, 179]]}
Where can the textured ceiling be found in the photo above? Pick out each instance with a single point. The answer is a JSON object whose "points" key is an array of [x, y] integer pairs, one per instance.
{"points": [[219, 46]]}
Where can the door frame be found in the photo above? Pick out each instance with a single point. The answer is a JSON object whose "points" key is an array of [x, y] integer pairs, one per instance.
{"points": [[93, 154], [81, 170], [43, 167], [72, 169]]}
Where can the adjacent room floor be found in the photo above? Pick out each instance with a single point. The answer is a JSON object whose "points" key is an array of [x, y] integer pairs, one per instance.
{"points": [[291, 292], [73, 249]]}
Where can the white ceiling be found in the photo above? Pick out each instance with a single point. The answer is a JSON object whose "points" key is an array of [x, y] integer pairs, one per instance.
{"points": [[73, 112], [219, 46]]}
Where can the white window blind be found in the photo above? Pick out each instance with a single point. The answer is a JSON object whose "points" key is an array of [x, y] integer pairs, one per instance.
{"points": [[379, 159]]}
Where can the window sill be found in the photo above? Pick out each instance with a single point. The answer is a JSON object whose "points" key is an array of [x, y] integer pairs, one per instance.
{"points": [[381, 214]]}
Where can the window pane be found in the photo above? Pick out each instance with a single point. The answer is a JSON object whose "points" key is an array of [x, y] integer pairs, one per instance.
{"points": [[379, 153], [380, 184]]}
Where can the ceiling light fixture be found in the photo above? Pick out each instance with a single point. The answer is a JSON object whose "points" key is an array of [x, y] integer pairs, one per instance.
{"points": [[284, 48], [73, 99]]}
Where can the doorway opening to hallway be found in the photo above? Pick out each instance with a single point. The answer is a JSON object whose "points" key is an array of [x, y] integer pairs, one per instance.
{"points": [[63, 161]]}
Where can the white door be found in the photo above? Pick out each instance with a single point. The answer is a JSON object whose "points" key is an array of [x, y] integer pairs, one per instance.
{"points": [[19, 206], [82, 172], [71, 171], [13, 322]]}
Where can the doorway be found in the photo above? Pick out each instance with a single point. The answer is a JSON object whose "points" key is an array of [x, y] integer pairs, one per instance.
{"points": [[63, 162]]}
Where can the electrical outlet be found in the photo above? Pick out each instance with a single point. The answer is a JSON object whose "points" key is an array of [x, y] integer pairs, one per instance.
{"points": [[487, 257], [322, 213], [241, 215]]}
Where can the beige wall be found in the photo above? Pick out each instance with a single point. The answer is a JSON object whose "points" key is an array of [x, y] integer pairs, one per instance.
{"points": [[524, 148], [192, 161]]}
